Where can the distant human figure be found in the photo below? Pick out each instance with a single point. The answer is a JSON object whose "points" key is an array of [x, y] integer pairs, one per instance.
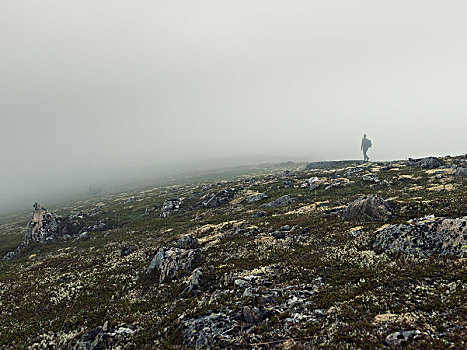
{"points": [[366, 143]]}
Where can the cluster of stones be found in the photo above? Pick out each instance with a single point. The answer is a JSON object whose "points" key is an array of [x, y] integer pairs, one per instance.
{"points": [[426, 163], [170, 207], [46, 227], [104, 337], [218, 199]]}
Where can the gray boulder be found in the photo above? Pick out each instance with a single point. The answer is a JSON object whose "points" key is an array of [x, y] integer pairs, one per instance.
{"points": [[461, 172], [172, 263], [195, 280], [253, 314], [441, 236], [399, 338], [257, 197], [280, 202], [426, 163], [372, 207]]}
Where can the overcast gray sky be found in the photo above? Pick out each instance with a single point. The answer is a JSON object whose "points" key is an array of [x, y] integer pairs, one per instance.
{"points": [[90, 89]]}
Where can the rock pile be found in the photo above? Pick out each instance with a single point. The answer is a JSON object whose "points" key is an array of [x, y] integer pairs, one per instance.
{"points": [[281, 232], [102, 337], [372, 207], [218, 199], [441, 236], [170, 207], [311, 182], [213, 330], [98, 227], [427, 162], [45, 226]]}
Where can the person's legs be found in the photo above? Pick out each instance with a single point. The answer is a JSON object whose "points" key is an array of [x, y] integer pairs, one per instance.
{"points": [[365, 157]]}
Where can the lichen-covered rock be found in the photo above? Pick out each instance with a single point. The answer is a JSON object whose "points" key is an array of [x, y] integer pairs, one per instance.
{"points": [[427, 162], [98, 227], [399, 338], [170, 207], [372, 207], [126, 251], [45, 226], [257, 197], [187, 242], [461, 172], [280, 202], [173, 262], [439, 236], [213, 330], [102, 337], [195, 280], [253, 314]]}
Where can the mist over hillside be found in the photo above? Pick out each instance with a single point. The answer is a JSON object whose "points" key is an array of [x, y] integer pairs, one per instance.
{"points": [[92, 93]]}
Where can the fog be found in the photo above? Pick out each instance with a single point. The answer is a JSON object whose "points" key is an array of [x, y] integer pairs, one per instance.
{"points": [[96, 92]]}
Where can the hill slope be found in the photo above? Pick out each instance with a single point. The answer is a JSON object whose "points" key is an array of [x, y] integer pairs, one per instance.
{"points": [[270, 262]]}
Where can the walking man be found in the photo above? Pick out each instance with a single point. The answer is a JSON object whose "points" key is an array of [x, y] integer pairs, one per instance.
{"points": [[366, 143]]}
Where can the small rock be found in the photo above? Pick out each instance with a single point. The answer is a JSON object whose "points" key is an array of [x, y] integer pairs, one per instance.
{"points": [[241, 283], [399, 338], [187, 242], [126, 251], [278, 234], [195, 280], [259, 214], [252, 314], [83, 236]]}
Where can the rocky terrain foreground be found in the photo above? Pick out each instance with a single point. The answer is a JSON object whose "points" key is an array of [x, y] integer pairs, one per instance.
{"points": [[337, 255]]}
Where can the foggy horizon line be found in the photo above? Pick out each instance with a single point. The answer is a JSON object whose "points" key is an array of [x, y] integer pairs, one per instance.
{"points": [[111, 186]]}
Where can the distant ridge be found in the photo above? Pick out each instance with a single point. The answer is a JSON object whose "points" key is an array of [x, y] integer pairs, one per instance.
{"points": [[332, 164]]}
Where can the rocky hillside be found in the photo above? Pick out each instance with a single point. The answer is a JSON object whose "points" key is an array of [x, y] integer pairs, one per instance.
{"points": [[328, 255]]}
